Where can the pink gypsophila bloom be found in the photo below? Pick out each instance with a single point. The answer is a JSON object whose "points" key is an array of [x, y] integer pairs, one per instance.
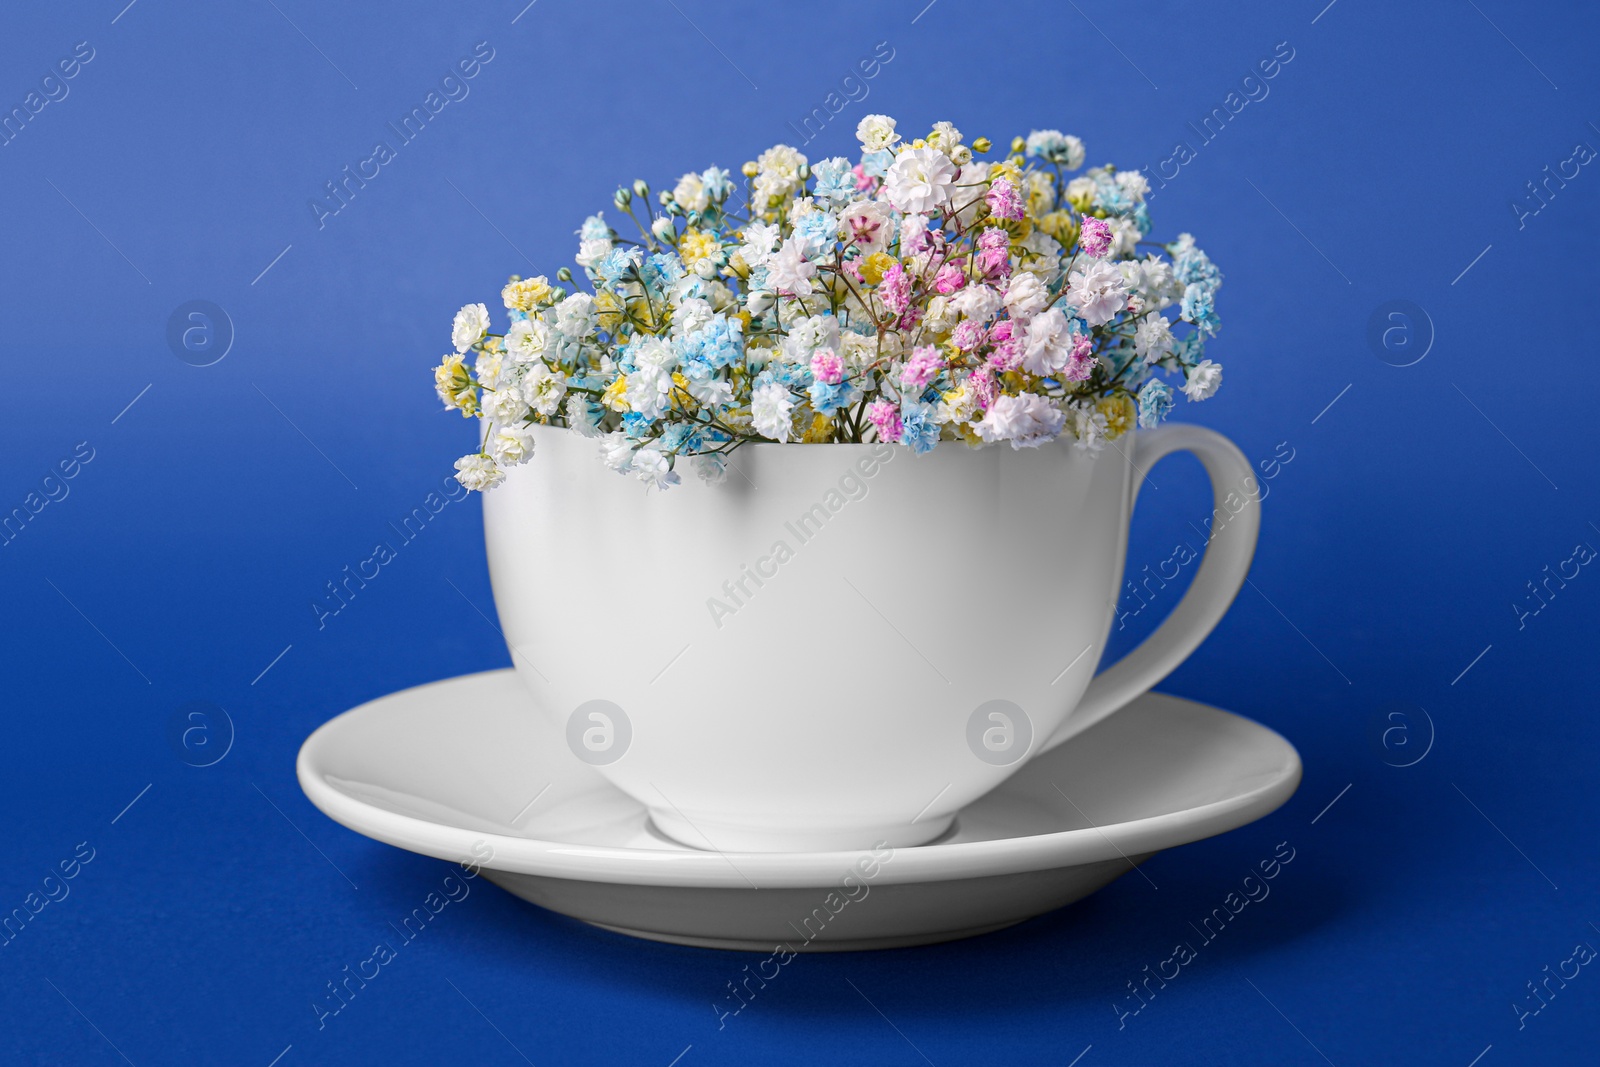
{"points": [[1095, 237], [951, 277], [925, 363], [1008, 346], [827, 367], [1081, 363], [983, 387], [1003, 200], [864, 181], [994, 254], [968, 335], [886, 418], [895, 290]]}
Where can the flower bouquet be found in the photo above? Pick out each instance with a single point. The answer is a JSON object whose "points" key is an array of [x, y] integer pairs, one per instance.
{"points": [[917, 296]]}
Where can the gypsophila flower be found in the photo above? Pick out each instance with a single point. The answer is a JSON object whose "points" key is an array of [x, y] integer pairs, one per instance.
{"points": [[919, 295]]}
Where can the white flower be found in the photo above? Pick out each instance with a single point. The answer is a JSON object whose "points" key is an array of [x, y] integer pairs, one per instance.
{"points": [[941, 317], [1133, 183], [511, 444], [1027, 421], [691, 315], [712, 468], [593, 251], [944, 137], [1088, 425], [1058, 147], [759, 240], [579, 417], [1152, 281], [469, 326], [543, 388], [1204, 377], [575, 316], [769, 411], [1049, 344], [1080, 189], [478, 472], [876, 132], [616, 448], [1153, 338], [978, 302], [1124, 237], [870, 224], [690, 192], [652, 468], [956, 405], [1098, 293], [1043, 255], [505, 405], [651, 381], [778, 172], [809, 334], [920, 180], [1025, 296], [527, 340], [488, 367], [789, 270]]}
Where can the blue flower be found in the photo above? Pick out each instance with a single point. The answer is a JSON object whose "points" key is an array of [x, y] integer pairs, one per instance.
{"points": [[835, 182], [661, 269], [618, 263], [1155, 401], [717, 183], [594, 228], [637, 426], [1200, 309], [827, 399], [917, 427], [876, 164], [818, 231], [1191, 266]]}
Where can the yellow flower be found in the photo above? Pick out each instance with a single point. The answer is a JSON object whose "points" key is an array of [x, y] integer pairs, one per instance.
{"points": [[694, 246], [874, 266], [1060, 225], [525, 294], [1008, 170], [455, 385], [608, 311], [615, 396], [819, 432], [1119, 412], [682, 400]]}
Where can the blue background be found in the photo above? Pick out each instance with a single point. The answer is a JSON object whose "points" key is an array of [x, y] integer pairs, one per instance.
{"points": [[1381, 167]]}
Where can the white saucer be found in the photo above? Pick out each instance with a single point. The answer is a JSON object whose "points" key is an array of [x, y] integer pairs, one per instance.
{"points": [[465, 767]]}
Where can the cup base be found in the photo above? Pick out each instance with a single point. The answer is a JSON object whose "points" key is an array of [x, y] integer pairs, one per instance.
{"points": [[708, 836]]}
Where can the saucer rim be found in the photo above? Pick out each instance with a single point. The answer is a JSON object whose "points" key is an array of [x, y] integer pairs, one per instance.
{"points": [[692, 868]]}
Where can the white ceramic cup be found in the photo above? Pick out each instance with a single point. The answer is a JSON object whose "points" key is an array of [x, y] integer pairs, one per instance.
{"points": [[840, 645]]}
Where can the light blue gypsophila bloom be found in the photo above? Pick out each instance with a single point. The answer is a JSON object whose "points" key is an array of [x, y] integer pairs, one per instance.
{"points": [[594, 228], [1191, 349], [682, 437], [1141, 219], [827, 399], [717, 183], [1191, 266], [1200, 309], [876, 164], [1111, 196], [720, 343], [917, 427], [791, 376], [637, 426], [661, 269], [818, 231], [1155, 401], [836, 184], [618, 263]]}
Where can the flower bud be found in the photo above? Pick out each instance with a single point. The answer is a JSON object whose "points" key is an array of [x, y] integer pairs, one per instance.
{"points": [[750, 170], [623, 198], [640, 188], [1018, 145], [982, 145], [563, 275], [663, 229], [664, 197]]}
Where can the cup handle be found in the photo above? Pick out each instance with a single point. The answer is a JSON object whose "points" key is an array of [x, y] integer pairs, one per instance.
{"points": [[1222, 573]]}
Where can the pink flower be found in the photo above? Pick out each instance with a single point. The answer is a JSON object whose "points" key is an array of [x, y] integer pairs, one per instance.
{"points": [[886, 417], [925, 363], [1095, 237], [968, 335], [983, 387], [895, 290], [827, 367], [994, 254], [1003, 200], [864, 181], [1007, 338], [1081, 362], [951, 277], [914, 234]]}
